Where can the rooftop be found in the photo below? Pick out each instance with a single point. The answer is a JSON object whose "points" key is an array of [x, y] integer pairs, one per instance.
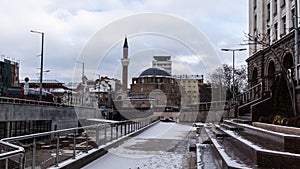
{"points": [[154, 72], [162, 58]]}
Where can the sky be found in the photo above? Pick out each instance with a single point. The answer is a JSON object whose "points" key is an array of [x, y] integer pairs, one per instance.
{"points": [[193, 32]]}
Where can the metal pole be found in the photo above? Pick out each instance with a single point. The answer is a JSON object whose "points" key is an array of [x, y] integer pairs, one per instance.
{"points": [[111, 132], [296, 55], [6, 163], [82, 76], [87, 142], [41, 73], [105, 133], [42, 60], [296, 42], [97, 136], [57, 150], [33, 153], [233, 52], [233, 82], [74, 145], [117, 130]]}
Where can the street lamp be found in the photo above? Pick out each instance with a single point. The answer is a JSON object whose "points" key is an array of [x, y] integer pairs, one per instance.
{"points": [[233, 50], [42, 54], [82, 81], [82, 69]]}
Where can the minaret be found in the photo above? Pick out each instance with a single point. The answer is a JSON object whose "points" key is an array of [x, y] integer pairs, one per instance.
{"points": [[125, 63]]}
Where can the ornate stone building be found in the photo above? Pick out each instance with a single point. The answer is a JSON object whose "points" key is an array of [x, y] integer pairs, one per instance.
{"points": [[272, 48], [264, 65]]}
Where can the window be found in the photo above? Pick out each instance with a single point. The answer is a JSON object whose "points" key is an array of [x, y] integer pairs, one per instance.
{"points": [[254, 4], [268, 36], [274, 7], [283, 25], [292, 17], [255, 44], [255, 21], [268, 12], [275, 31]]}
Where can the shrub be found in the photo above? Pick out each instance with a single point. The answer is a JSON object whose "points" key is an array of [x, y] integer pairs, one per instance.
{"points": [[276, 119]]}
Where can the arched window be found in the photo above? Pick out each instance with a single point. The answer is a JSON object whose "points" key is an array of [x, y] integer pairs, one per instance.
{"points": [[254, 79], [288, 61], [271, 74]]}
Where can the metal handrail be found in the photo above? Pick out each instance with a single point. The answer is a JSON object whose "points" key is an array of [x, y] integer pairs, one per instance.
{"points": [[18, 151], [30, 102], [129, 126], [253, 93]]}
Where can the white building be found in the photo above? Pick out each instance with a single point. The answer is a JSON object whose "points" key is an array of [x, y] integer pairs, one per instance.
{"points": [[163, 62], [271, 19]]}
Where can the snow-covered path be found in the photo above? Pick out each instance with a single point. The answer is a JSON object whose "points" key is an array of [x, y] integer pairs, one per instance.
{"points": [[162, 146]]}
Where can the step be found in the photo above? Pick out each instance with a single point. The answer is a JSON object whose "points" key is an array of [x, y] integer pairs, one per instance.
{"points": [[242, 121], [229, 127], [270, 139], [221, 155], [245, 117], [219, 133], [260, 156]]}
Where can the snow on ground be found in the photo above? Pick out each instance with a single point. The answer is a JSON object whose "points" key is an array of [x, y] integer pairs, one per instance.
{"points": [[166, 131], [154, 148]]}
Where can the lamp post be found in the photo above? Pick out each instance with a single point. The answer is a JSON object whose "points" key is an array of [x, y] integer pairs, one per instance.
{"points": [[98, 90], [82, 81], [296, 43], [82, 69], [233, 51], [42, 57]]}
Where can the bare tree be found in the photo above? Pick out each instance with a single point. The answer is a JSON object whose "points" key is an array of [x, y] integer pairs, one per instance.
{"points": [[221, 78]]}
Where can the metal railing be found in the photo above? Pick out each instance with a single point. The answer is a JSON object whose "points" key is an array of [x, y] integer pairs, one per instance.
{"points": [[11, 151], [50, 148], [253, 93], [212, 105], [29, 102]]}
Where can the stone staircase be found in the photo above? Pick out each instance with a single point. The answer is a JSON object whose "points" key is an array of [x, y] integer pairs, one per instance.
{"points": [[238, 144]]}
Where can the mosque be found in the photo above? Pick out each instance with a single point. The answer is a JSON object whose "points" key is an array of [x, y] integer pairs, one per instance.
{"points": [[153, 88]]}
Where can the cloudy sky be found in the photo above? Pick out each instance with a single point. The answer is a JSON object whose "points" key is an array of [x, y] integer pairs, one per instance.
{"points": [[92, 31]]}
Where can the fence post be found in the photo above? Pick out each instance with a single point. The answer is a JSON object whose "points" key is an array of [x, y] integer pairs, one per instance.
{"points": [[117, 130], [87, 142], [33, 153], [121, 128], [125, 125], [74, 145], [57, 150], [22, 161], [111, 131], [105, 133], [97, 136]]}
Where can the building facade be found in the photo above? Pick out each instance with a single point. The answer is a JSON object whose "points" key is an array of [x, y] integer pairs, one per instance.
{"points": [[272, 44], [163, 62], [9, 75], [270, 19], [190, 88]]}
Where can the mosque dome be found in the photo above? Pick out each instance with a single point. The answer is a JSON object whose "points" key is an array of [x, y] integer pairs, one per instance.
{"points": [[154, 72]]}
